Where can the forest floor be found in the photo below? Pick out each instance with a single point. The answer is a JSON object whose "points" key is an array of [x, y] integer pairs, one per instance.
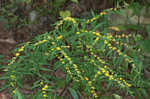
{"points": [[10, 39]]}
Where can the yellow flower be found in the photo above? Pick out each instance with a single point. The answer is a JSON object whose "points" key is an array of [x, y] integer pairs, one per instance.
{"points": [[63, 62], [21, 49], [44, 95], [118, 51], [97, 34], [86, 78], [90, 83], [12, 84], [129, 85], [17, 54], [87, 21], [14, 91], [58, 48], [92, 91], [74, 65], [114, 48], [125, 55], [52, 49], [44, 41], [107, 74], [98, 72], [111, 77], [70, 62], [102, 13], [78, 72], [12, 77], [77, 32], [92, 87], [106, 42], [41, 83], [109, 44], [69, 59], [120, 78], [94, 18], [43, 88], [60, 37], [46, 86]]}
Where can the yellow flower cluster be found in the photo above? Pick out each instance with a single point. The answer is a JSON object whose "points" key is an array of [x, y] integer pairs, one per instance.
{"points": [[109, 36], [67, 69], [112, 9], [84, 31], [44, 88], [123, 36], [102, 13], [79, 40], [122, 80], [40, 42], [12, 60], [118, 51], [70, 61], [12, 76], [91, 20], [13, 80], [92, 88], [106, 70], [66, 19], [70, 19], [79, 43], [21, 49], [97, 38], [109, 74], [102, 70], [75, 67], [95, 18]]}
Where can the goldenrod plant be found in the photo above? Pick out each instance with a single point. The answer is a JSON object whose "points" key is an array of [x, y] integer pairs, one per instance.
{"points": [[88, 56]]}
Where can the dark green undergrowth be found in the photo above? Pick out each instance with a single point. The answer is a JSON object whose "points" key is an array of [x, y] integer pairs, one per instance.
{"points": [[81, 58]]}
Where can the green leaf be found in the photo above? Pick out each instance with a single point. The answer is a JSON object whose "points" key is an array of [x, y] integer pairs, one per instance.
{"points": [[57, 3], [146, 45], [4, 87], [73, 93], [36, 84], [3, 78], [148, 30], [75, 1], [28, 1], [64, 14], [18, 94], [117, 96], [45, 69], [144, 92]]}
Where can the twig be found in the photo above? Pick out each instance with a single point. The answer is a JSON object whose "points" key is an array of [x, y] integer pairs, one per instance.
{"points": [[11, 41]]}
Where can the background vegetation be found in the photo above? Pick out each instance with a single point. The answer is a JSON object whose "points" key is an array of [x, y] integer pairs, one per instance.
{"points": [[75, 49]]}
